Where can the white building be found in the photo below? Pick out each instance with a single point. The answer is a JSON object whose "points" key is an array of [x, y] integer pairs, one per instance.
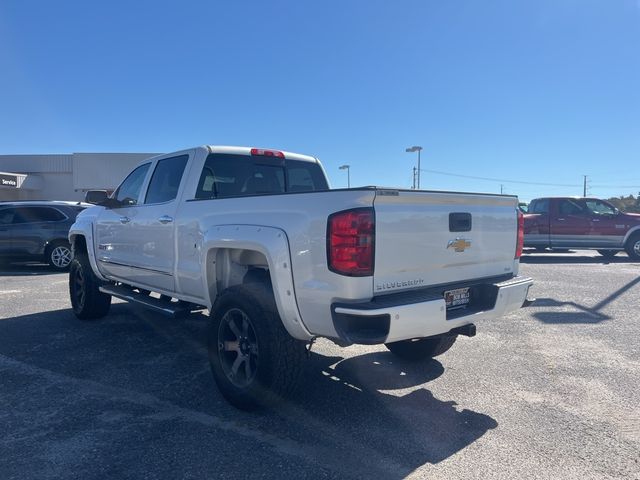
{"points": [[63, 176]]}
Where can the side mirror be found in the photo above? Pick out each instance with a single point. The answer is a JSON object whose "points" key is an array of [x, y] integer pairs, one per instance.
{"points": [[96, 197]]}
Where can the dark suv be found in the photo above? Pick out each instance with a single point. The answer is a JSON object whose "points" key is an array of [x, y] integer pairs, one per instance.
{"points": [[37, 231]]}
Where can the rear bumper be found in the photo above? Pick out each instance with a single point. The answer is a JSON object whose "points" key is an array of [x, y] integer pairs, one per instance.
{"points": [[422, 313]]}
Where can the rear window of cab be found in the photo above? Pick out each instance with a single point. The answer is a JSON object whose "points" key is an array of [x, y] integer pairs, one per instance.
{"points": [[228, 175]]}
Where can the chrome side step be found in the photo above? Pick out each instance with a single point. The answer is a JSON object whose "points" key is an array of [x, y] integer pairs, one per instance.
{"points": [[166, 307]]}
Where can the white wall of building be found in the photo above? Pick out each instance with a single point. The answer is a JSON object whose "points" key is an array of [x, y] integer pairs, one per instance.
{"points": [[103, 171], [66, 176]]}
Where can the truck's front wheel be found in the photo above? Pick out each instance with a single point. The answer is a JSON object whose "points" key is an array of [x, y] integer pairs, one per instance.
{"points": [[422, 348], [87, 301], [254, 360]]}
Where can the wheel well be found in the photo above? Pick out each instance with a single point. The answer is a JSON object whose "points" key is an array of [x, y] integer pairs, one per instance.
{"points": [[634, 232], [227, 267], [51, 244], [78, 244], [633, 236]]}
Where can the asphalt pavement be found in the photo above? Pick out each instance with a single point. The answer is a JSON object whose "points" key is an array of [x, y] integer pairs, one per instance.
{"points": [[550, 391]]}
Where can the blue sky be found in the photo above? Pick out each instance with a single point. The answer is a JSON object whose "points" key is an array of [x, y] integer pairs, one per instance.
{"points": [[533, 91]]}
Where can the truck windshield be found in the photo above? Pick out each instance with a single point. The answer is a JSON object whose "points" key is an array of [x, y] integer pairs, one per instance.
{"points": [[226, 175]]}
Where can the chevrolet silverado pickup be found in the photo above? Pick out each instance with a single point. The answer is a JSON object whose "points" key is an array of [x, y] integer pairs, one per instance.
{"points": [[581, 223], [257, 238]]}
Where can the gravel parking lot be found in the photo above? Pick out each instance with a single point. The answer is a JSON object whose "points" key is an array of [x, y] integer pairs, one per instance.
{"points": [[548, 392]]}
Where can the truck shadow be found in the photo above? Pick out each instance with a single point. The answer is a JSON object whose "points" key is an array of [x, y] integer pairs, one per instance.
{"points": [[585, 314], [392, 419], [27, 270], [550, 258], [368, 414]]}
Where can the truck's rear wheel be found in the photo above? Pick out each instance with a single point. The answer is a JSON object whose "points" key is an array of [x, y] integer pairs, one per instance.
{"points": [[633, 246], [254, 360], [422, 348], [87, 301]]}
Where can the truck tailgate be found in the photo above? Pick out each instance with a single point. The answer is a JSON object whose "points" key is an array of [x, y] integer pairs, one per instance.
{"points": [[433, 238]]}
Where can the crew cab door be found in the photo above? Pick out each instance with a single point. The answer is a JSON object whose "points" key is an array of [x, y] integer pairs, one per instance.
{"points": [[607, 227], [536, 224], [115, 240], [570, 224], [153, 226]]}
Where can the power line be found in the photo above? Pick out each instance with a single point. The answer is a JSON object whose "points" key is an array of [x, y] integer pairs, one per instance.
{"points": [[615, 186], [488, 179]]}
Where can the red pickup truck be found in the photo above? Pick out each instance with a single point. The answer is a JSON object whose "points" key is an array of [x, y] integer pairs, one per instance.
{"points": [[581, 223]]}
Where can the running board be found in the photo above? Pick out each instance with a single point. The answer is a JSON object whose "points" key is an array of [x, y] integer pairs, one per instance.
{"points": [[166, 307]]}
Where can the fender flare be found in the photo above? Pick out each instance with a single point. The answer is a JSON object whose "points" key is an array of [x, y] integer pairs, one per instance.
{"points": [[85, 229], [629, 233], [274, 245]]}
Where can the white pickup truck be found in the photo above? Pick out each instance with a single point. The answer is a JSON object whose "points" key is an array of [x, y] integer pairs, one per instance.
{"points": [[258, 239]]}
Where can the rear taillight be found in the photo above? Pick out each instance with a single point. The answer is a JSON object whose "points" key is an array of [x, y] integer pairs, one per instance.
{"points": [[520, 238], [350, 242]]}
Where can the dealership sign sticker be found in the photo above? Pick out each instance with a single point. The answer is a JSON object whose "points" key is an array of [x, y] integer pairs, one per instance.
{"points": [[8, 181]]}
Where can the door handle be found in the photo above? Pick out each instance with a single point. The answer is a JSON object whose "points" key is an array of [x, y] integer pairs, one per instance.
{"points": [[165, 219], [125, 219], [595, 219]]}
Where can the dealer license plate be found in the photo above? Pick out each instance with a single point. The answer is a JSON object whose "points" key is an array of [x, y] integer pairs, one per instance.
{"points": [[457, 298]]}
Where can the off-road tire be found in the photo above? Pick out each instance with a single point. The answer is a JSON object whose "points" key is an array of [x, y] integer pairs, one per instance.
{"points": [[632, 247], [422, 348], [58, 255], [608, 253], [279, 358], [87, 301]]}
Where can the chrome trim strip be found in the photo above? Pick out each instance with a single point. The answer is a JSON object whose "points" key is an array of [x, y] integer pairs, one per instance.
{"points": [[103, 260]]}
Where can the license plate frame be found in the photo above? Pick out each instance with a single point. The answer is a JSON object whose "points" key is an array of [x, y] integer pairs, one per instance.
{"points": [[457, 298]]}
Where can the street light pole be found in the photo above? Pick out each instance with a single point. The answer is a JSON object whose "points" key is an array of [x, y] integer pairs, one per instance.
{"points": [[348, 169], [416, 148]]}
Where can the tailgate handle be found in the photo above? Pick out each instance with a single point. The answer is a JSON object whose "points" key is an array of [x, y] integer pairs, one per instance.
{"points": [[459, 222]]}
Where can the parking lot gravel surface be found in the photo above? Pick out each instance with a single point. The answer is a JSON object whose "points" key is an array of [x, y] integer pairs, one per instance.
{"points": [[550, 391]]}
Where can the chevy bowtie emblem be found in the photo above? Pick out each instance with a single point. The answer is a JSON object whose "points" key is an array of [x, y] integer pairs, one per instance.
{"points": [[459, 244]]}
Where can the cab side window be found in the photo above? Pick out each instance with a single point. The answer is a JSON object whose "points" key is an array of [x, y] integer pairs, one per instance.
{"points": [[539, 206], [571, 207], [128, 192], [166, 179], [597, 207]]}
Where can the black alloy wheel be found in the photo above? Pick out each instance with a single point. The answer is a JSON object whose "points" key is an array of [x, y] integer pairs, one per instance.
{"points": [[238, 347]]}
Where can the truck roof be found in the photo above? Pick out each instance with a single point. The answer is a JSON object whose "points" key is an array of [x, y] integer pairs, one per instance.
{"points": [[574, 197], [234, 150]]}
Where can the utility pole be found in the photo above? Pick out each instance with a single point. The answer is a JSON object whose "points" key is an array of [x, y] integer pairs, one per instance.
{"points": [[414, 178], [416, 148], [584, 187], [501, 190]]}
